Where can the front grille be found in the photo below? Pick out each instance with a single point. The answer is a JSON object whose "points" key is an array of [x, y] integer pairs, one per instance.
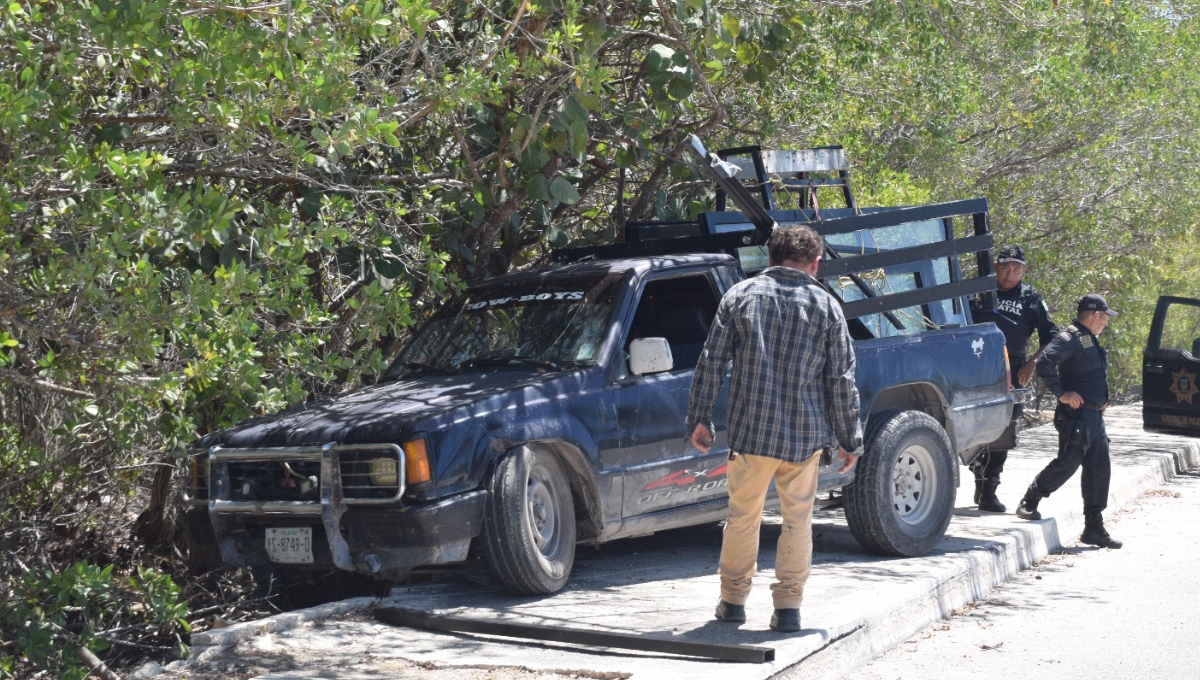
{"points": [[364, 474], [276, 480]]}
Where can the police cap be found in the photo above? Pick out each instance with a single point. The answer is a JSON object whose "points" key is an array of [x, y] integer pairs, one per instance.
{"points": [[1010, 253], [1093, 302]]}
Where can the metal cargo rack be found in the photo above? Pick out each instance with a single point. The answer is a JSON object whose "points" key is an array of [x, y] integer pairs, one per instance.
{"points": [[804, 172]]}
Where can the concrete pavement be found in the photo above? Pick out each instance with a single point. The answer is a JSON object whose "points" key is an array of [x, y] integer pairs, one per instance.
{"points": [[1081, 614], [857, 605]]}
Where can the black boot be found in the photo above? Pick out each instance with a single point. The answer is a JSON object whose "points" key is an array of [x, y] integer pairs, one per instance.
{"points": [[977, 468], [733, 613], [986, 500], [1028, 506], [1095, 534]]}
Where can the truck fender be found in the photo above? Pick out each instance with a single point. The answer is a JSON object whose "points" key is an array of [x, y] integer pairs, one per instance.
{"points": [[924, 397], [572, 444]]}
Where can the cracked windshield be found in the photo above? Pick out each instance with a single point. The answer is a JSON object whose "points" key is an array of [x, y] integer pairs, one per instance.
{"points": [[555, 322]]}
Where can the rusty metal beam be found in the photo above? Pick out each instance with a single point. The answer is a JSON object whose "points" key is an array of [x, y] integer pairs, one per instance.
{"points": [[413, 618]]}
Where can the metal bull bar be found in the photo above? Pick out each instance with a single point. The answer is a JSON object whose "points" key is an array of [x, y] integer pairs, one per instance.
{"points": [[332, 505]]}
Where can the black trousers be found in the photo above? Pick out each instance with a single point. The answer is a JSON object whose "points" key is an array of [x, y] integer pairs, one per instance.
{"points": [[1082, 442]]}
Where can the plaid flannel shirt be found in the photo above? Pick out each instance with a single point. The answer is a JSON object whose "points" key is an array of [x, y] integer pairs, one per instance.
{"points": [[792, 392]]}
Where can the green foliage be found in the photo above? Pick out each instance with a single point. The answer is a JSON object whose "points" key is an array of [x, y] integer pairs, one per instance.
{"points": [[54, 614], [210, 211]]}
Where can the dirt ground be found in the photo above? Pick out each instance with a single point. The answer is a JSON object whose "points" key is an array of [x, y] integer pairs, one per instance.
{"points": [[241, 663]]}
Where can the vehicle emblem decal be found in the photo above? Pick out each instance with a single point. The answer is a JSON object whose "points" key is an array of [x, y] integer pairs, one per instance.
{"points": [[1184, 386], [685, 477], [977, 347]]}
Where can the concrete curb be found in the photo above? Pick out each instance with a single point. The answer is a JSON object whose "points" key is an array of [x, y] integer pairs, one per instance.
{"points": [[981, 570], [211, 641]]}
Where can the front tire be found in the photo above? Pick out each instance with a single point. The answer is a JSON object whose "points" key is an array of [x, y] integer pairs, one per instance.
{"points": [[528, 536], [902, 496]]}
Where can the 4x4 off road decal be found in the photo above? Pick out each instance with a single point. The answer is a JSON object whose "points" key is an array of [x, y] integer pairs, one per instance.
{"points": [[684, 482]]}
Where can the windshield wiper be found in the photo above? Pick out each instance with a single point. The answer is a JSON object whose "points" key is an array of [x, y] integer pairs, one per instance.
{"points": [[501, 360]]}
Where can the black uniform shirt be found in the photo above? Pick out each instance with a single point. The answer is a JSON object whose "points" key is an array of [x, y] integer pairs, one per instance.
{"points": [[1019, 311], [1074, 361]]}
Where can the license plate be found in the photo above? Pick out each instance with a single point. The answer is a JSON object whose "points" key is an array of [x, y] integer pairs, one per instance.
{"points": [[292, 545]]}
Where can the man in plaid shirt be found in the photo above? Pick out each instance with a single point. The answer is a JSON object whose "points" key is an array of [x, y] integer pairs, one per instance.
{"points": [[792, 396]]}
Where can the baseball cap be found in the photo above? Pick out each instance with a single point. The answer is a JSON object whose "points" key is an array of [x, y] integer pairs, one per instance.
{"points": [[1010, 254], [1094, 303]]}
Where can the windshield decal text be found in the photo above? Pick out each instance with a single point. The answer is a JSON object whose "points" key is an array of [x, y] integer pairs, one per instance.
{"points": [[537, 297]]}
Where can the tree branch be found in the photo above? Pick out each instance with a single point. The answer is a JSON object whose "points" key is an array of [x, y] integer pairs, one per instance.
{"points": [[214, 7], [20, 378], [507, 34], [131, 119]]}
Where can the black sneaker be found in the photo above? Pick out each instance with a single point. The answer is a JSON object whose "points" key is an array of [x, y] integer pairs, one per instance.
{"points": [[731, 613], [786, 620], [1098, 536], [1028, 509]]}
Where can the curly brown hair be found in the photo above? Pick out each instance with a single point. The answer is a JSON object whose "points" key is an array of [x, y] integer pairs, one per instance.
{"points": [[799, 243]]}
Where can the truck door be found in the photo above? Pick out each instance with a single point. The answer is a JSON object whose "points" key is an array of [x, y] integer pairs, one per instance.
{"points": [[1170, 366], [661, 469]]}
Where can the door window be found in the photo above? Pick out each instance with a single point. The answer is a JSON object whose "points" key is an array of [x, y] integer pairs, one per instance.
{"points": [[1181, 330], [680, 309]]}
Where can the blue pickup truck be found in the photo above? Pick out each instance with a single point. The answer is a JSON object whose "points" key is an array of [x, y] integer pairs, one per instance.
{"points": [[545, 409]]}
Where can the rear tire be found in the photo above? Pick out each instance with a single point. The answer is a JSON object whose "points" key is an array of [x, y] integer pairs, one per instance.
{"points": [[528, 536], [902, 496]]}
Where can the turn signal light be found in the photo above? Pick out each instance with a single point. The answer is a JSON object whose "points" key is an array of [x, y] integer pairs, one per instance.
{"points": [[416, 462]]}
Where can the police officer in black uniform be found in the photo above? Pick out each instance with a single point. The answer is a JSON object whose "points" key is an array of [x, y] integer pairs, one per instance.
{"points": [[1074, 367], [1019, 311]]}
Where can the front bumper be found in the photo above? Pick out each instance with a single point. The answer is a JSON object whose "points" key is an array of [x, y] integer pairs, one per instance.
{"points": [[354, 528], [386, 543], [382, 542]]}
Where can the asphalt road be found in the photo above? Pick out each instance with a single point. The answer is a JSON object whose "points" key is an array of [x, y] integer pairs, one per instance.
{"points": [[1083, 613]]}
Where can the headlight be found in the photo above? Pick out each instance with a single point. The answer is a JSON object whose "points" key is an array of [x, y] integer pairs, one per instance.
{"points": [[384, 472]]}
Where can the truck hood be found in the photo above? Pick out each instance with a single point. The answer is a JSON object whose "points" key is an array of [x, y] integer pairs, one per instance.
{"points": [[377, 413]]}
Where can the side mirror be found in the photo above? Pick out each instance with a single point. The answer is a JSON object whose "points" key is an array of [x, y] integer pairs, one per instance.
{"points": [[650, 355], [1196, 348]]}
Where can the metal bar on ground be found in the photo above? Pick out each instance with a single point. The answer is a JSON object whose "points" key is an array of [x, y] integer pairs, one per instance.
{"points": [[412, 618]]}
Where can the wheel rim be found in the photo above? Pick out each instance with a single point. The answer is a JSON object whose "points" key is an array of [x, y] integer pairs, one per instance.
{"points": [[913, 483], [543, 511]]}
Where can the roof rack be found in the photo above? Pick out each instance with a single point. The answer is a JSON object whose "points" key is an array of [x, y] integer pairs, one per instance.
{"points": [[802, 171]]}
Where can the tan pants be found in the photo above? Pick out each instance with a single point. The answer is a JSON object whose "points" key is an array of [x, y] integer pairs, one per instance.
{"points": [[796, 484]]}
